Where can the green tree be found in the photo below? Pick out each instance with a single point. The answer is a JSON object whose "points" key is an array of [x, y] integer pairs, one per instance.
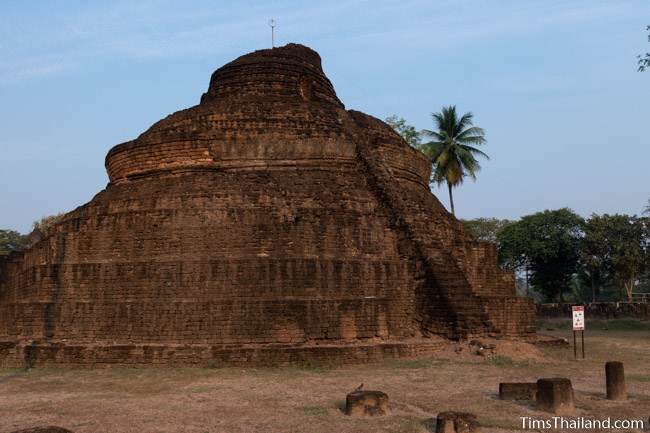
{"points": [[408, 132], [621, 245], [595, 255], [511, 245], [644, 61], [547, 243], [453, 149], [485, 229], [11, 240]]}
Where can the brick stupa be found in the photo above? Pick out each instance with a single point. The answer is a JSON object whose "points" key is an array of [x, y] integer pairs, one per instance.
{"points": [[265, 225]]}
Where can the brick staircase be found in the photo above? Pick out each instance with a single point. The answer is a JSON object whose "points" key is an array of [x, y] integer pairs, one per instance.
{"points": [[451, 306]]}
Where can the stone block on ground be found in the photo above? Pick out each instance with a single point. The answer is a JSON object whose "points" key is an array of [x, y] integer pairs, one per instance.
{"points": [[366, 403], [457, 422], [615, 379], [555, 395], [518, 391]]}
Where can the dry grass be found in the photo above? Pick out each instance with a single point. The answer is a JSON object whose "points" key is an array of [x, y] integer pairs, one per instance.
{"points": [[309, 400]]}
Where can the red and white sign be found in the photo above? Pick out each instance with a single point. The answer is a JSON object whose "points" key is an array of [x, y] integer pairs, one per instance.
{"points": [[578, 317]]}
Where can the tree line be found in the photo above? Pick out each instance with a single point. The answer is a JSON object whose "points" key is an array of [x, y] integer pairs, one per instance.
{"points": [[560, 256]]}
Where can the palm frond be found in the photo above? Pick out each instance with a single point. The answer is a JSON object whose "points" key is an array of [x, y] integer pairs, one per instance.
{"points": [[473, 139], [470, 165], [476, 151], [439, 121], [442, 158], [452, 151], [431, 149], [472, 131], [466, 120], [433, 134]]}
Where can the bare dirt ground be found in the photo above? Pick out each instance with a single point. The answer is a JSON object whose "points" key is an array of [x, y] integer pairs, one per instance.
{"points": [[275, 400]]}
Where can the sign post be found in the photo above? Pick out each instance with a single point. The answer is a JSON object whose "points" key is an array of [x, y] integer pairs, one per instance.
{"points": [[578, 313]]}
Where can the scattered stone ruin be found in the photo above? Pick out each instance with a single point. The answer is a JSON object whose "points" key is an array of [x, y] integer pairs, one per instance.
{"points": [[615, 381], [457, 422], [518, 391], [266, 224], [366, 403], [555, 395]]}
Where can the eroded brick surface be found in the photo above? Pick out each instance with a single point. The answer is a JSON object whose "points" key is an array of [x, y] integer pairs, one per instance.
{"points": [[265, 218]]}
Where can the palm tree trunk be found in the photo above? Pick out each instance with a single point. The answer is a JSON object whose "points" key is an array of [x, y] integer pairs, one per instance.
{"points": [[451, 199]]}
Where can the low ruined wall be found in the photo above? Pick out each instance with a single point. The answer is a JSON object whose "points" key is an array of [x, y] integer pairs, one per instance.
{"points": [[601, 310], [57, 353]]}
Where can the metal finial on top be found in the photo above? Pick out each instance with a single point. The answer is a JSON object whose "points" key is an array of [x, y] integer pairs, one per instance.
{"points": [[272, 25]]}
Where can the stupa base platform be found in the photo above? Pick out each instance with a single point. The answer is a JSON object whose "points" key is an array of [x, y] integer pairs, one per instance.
{"points": [[60, 353]]}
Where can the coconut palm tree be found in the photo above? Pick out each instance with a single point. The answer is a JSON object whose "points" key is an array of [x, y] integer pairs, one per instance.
{"points": [[453, 149]]}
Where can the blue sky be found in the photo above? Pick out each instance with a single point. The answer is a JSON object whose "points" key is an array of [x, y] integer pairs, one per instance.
{"points": [[554, 84]]}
